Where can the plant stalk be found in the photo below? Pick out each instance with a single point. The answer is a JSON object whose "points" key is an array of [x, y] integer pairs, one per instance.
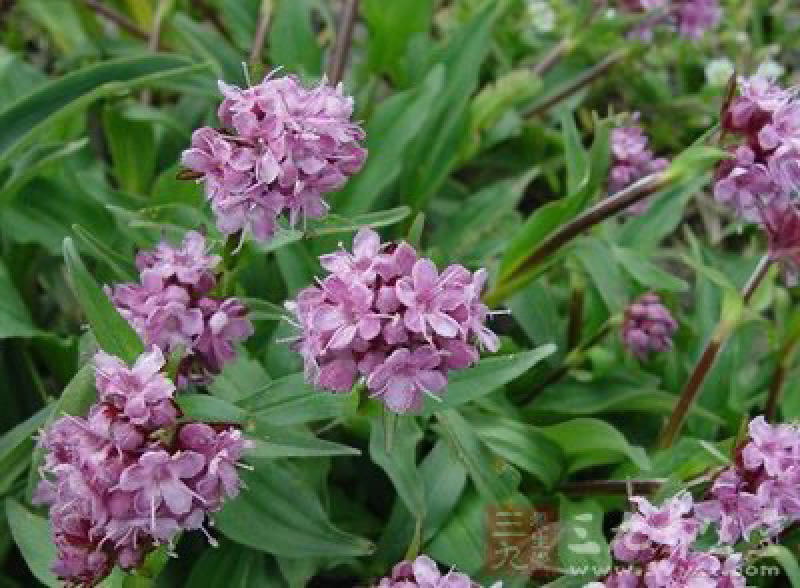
{"points": [[712, 349], [583, 80], [778, 379], [341, 50], [264, 15], [604, 209]]}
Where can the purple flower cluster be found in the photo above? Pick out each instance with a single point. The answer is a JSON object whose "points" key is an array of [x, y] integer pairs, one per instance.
{"points": [[423, 573], [631, 160], [756, 498], [760, 182], [656, 543], [390, 316], [127, 477], [647, 326], [692, 18], [282, 148], [172, 307], [765, 168]]}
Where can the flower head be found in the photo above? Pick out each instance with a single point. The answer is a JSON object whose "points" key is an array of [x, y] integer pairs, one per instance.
{"points": [[631, 161], [647, 326], [115, 489], [393, 318], [423, 573], [285, 147]]}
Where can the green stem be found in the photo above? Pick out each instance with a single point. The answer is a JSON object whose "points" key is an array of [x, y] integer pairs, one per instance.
{"points": [[712, 349], [604, 209], [779, 378]]}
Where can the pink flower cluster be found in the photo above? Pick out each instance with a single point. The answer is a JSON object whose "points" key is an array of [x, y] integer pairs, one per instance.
{"points": [[762, 179], [390, 316], [631, 160], [759, 496], [172, 306], [423, 573], [656, 542], [647, 326], [127, 477], [282, 148], [692, 18]]}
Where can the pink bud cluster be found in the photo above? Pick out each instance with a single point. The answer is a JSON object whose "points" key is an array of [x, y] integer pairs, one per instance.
{"points": [[647, 326], [172, 306], [423, 573], [631, 160], [762, 179], [692, 18], [128, 477], [390, 316], [282, 148], [756, 498]]}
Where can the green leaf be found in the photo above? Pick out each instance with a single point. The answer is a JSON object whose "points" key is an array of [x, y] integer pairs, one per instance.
{"points": [[444, 479], [67, 94], [292, 42], [272, 442], [239, 378], [577, 157], [210, 409], [395, 123], [598, 439], [522, 445], [133, 153], [485, 377], [15, 320], [278, 513], [207, 44], [608, 394], [391, 26], [661, 218], [582, 547], [787, 560], [23, 432], [113, 333], [334, 224], [495, 480], [646, 273], [32, 535], [596, 258], [120, 264], [482, 217], [550, 216], [232, 566], [290, 400], [399, 462], [437, 149]]}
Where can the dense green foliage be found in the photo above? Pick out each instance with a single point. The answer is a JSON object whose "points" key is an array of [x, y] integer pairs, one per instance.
{"points": [[477, 154]]}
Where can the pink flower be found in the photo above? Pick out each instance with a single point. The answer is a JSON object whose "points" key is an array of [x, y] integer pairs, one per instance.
{"points": [[141, 393], [159, 478], [402, 379], [391, 317], [290, 146], [775, 447], [647, 326], [671, 525], [695, 17], [422, 294], [188, 264], [782, 225], [631, 161], [745, 185], [225, 323], [423, 573], [222, 451]]}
